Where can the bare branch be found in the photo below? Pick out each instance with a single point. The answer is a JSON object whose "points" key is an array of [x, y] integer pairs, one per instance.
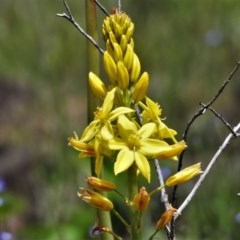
{"points": [[70, 18], [164, 196], [207, 170], [119, 5], [101, 7], [206, 106], [219, 116], [200, 112]]}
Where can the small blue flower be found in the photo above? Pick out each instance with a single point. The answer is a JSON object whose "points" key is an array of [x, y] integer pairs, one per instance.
{"points": [[1, 203], [237, 217], [2, 185], [6, 236]]}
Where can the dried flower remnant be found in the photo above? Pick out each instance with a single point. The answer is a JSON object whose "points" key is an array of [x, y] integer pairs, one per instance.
{"points": [[141, 200], [95, 199]]}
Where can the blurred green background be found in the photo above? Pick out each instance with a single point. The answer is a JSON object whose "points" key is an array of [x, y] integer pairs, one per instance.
{"points": [[188, 47]]}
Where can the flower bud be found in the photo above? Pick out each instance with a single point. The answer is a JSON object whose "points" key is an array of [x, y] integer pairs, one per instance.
{"points": [[117, 52], [128, 57], [95, 199], [97, 86], [123, 76], [141, 200], [110, 67], [166, 218], [140, 88], [100, 184], [184, 175], [136, 69]]}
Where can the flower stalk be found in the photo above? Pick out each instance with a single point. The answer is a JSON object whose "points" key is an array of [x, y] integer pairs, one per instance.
{"points": [[114, 133], [93, 65]]}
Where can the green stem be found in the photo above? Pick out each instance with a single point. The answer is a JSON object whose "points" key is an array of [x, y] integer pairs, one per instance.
{"points": [[133, 189], [156, 190], [93, 65], [120, 218], [153, 235]]}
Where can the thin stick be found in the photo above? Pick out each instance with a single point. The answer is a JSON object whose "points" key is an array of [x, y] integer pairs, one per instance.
{"points": [[200, 112], [101, 7], [207, 170], [164, 196], [71, 19], [119, 5], [219, 116]]}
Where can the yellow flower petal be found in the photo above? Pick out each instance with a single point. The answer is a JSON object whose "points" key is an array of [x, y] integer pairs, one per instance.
{"points": [[116, 144], [107, 131], [165, 132], [153, 147], [146, 130], [119, 111], [98, 164], [107, 104], [126, 127], [124, 160], [90, 131], [143, 165]]}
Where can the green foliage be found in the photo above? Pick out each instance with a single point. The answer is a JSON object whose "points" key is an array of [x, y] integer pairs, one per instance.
{"points": [[187, 48]]}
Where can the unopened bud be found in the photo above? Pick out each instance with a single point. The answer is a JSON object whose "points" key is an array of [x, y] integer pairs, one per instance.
{"points": [[141, 87], [97, 86], [136, 69], [100, 184], [184, 175], [122, 75], [141, 200], [110, 67]]}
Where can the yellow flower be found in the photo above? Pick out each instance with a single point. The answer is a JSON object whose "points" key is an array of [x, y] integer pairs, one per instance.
{"points": [[103, 118], [95, 199], [166, 218], [151, 113], [135, 146], [174, 150], [100, 184], [141, 200], [184, 175]]}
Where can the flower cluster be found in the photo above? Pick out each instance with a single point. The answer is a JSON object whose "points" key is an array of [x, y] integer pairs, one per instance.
{"points": [[128, 128], [118, 131]]}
